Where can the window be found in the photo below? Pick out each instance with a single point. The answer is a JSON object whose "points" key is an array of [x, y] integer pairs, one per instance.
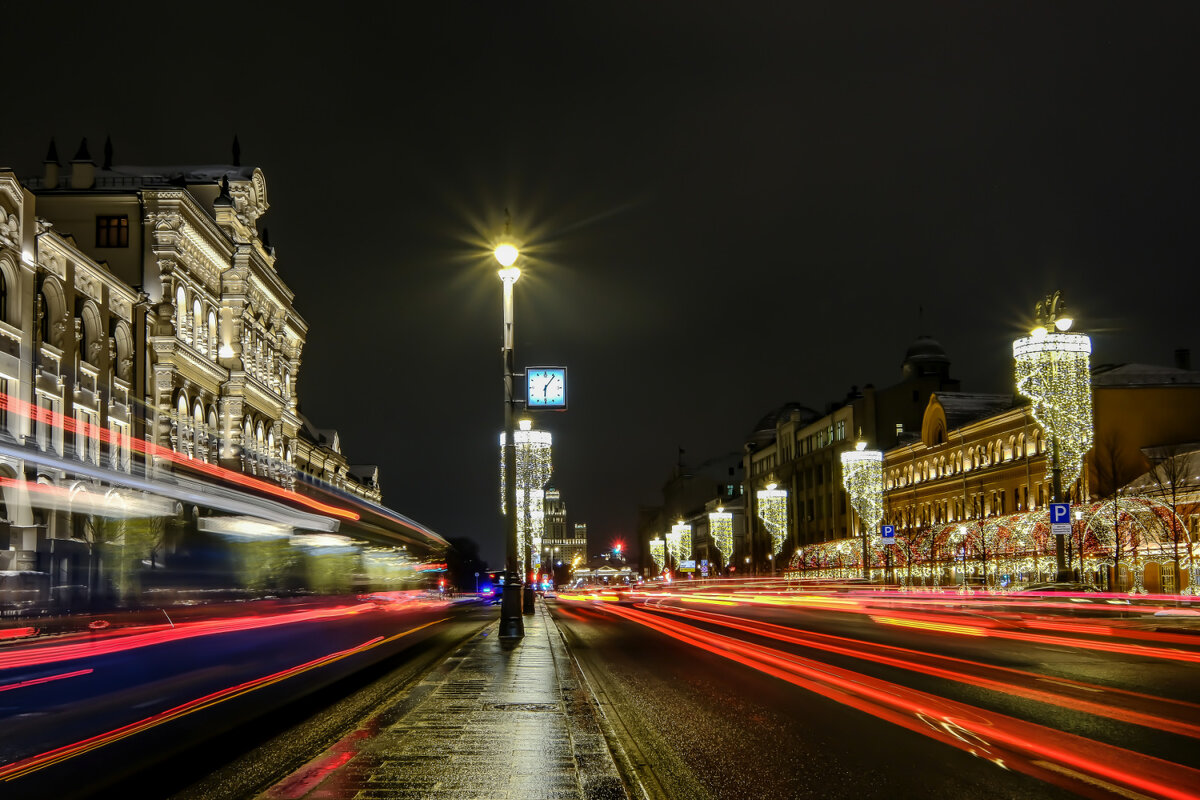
{"points": [[841, 429], [899, 428], [112, 231]]}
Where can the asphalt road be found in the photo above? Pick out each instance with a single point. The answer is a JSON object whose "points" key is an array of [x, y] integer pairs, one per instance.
{"points": [[825, 706]]}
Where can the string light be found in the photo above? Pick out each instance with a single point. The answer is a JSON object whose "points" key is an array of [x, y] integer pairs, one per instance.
{"points": [[658, 554], [772, 510], [673, 546], [1053, 371], [683, 542], [720, 528], [533, 472], [862, 475]]}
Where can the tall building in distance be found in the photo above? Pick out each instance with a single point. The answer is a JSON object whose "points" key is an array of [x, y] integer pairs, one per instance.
{"points": [[562, 547]]}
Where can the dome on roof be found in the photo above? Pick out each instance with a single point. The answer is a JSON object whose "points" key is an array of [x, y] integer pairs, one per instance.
{"points": [[926, 348], [764, 431], [925, 356]]}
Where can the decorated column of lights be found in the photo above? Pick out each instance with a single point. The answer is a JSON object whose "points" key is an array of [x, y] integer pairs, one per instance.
{"points": [[772, 510], [658, 554], [1053, 370], [862, 475], [533, 471], [720, 528], [683, 542], [673, 548]]}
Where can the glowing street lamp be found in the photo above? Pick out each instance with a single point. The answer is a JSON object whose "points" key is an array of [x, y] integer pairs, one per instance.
{"points": [[720, 529], [862, 475], [511, 624], [772, 510], [1053, 370]]}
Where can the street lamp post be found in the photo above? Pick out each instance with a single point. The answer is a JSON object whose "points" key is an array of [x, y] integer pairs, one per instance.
{"points": [[1053, 371], [862, 476], [511, 624]]}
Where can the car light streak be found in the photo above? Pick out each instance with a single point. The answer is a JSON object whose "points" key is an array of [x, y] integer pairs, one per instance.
{"points": [[34, 763], [45, 416], [89, 645], [47, 679], [1173, 716], [1007, 741], [940, 627]]}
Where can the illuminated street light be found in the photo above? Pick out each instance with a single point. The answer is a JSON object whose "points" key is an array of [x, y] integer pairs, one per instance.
{"points": [[720, 528], [862, 475], [511, 624], [772, 510], [658, 555], [1053, 370]]}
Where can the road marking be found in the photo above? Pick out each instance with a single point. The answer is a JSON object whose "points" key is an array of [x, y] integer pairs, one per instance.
{"points": [[1071, 685]]}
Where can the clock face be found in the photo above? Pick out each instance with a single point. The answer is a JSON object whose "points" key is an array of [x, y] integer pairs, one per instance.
{"points": [[546, 387]]}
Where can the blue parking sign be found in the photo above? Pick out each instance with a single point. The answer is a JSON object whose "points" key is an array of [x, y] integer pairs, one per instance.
{"points": [[888, 533], [1060, 519]]}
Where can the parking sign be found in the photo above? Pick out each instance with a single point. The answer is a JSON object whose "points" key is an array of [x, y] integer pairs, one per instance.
{"points": [[888, 533], [1060, 519]]}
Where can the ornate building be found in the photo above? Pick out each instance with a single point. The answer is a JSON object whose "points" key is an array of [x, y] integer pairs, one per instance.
{"points": [[142, 312], [792, 458]]}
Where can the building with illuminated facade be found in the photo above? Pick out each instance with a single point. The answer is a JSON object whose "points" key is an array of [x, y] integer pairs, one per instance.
{"points": [[976, 483], [142, 307], [792, 458], [562, 545]]}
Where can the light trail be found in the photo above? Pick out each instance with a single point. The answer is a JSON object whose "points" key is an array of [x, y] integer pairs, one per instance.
{"points": [[1173, 716], [30, 764], [1079, 764]]}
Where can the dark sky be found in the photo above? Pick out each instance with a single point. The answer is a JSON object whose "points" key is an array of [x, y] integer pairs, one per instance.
{"points": [[724, 206]]}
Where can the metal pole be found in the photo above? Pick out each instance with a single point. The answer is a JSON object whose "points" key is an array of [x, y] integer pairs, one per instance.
{"points": [[511, 624], [1060, 554]]}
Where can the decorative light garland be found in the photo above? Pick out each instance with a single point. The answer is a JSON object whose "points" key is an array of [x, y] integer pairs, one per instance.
{"points": [[1053, 371], [658, 554], [683, 542], [720, 528], [862, 475], [772, 510], [534, 467], [673, 547]]}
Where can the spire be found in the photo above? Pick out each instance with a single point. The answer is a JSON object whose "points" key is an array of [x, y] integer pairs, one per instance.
{"points": [[237, 152], [82, 153], [107, 153], [51, 153]]}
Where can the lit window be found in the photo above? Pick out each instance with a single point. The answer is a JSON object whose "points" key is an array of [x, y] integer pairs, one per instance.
{"points": [[899, 428]]}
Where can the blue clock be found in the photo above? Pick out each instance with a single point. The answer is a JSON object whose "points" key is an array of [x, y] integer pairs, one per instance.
{"points": [[546, 388]]}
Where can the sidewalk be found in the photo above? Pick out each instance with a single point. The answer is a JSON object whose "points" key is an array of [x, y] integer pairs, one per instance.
{"points": [[493, 722]]}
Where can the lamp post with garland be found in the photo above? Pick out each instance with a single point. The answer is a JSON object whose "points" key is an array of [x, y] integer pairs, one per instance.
{"points": [[862, 476], [1053, 370]]}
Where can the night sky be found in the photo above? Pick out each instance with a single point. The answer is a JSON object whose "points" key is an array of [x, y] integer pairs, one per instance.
{"points": [[724, 207]]}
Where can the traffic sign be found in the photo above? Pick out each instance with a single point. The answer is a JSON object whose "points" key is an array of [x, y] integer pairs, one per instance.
{"points": [[1060, 519], [888, 532]]}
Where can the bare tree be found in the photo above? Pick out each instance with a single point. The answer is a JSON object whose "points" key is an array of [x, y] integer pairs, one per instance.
{"points": [[1114, 470], [1171, 476]]}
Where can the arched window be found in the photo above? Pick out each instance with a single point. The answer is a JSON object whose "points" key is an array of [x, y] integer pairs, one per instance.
{"points": [[212, 333], [198, 322], [180, 309]]}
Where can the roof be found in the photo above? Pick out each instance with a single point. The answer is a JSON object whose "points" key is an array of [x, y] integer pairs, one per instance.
{"points": [[132, 177], [963, 408], [1130, 375]]}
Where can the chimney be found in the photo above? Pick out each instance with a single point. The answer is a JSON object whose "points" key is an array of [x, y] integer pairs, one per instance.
{"points": [[83, 169], [107, 153], [1183, 358], [50, 164]]}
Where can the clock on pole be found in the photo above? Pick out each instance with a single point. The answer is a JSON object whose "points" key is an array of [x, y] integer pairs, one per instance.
{"points": [[546, 388]]}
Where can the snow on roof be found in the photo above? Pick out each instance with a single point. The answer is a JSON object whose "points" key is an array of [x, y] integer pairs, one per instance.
{"points": [[1143, 375], [966, 407]]}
